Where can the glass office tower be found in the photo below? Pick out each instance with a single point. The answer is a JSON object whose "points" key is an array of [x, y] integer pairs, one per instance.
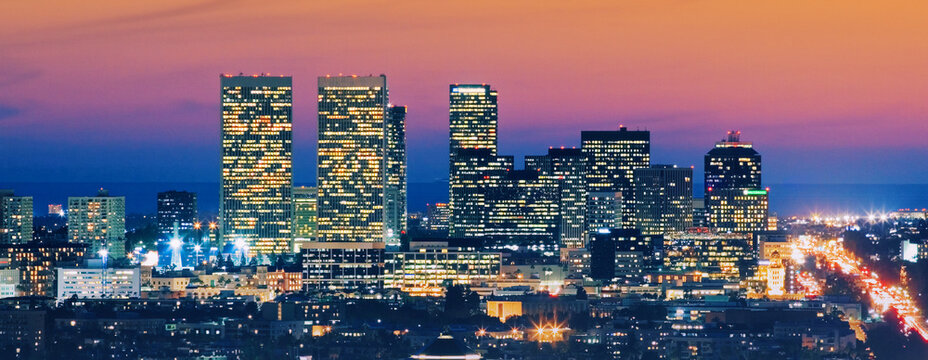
{"points": [[257, 177]]}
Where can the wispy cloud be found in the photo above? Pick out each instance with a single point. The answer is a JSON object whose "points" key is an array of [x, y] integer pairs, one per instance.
{"points": [[127, 22], [11, 76]]}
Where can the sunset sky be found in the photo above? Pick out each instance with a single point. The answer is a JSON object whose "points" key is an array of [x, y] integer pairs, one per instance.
{"points": [[829, 91]]}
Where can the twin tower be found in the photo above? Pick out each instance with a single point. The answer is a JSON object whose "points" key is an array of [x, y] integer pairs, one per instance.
{"points": [[361, 174]]}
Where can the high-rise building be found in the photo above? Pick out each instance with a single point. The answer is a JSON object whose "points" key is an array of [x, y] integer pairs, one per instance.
{"points": [[471, 171], [700, 217], [257, 177], [521, 212], [304, 215], [663, 199], [361, 183], [624, 254], [734, 197], [738, 210], [473, 117], [176, 210], [567, 167], [612, 157], [100, 222], [37, 263], [437, 217], [395, 190], [353, 172], [603, 211], [15, 218], [473, 121]]}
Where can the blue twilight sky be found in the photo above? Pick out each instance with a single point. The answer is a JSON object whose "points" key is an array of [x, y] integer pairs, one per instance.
{"points": [[113, 91]]}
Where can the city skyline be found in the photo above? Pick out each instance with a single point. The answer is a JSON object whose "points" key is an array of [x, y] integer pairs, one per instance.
{"points": [[726, 81], [470, 180]]}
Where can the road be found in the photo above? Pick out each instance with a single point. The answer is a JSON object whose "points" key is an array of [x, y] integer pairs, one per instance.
{"points": [[883, 297]]}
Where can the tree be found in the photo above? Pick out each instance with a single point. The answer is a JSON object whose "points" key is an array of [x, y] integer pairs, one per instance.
{"points": [[146, 236], [460, 302], [581, 293]]}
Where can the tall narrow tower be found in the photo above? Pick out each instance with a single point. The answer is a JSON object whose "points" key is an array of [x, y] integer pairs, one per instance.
{"points": [[395, 191], [100, 222], [472, 123], [735, 200], [257, 177], [15, 218], [353, 159]]}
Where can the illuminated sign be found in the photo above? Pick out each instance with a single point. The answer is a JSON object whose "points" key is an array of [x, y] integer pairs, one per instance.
{"points": [[755, 192], [471, 90]]}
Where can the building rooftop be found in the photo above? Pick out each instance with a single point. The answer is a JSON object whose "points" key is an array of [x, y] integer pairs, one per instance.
{"points": [[446, 347]]}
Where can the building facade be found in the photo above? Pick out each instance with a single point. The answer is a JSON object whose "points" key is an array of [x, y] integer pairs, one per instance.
{"points": [[612, 157], [37, 263], [624, 255], [176, 210], [15, 218], [428, 271], [437, 217], [471, 171], [100, 222], [257, 161], [305, 207], [98, 283], [395, 190], [354, 169], [346, 266], [567, 167], [473, 121], [734, 197], [736, 210], [663, 199], [603, 211], [522, 212], [718, 256]]}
